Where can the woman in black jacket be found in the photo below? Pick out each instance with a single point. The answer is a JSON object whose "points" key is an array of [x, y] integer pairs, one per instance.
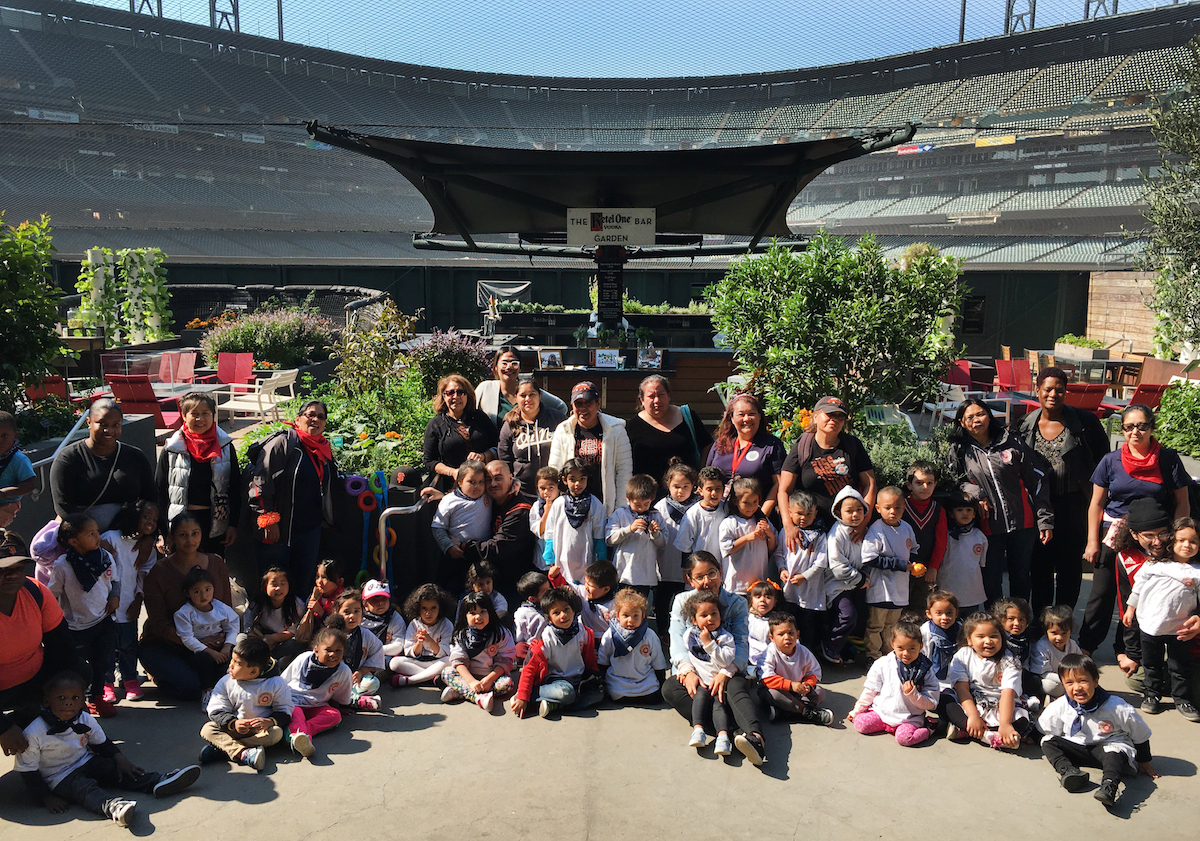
{"points": [[458, 431], [1014, 489], [1069, 444]]}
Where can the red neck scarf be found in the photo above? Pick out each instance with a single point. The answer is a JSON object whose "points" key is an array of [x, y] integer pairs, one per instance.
{"points": [[1145, 469], [317, 447], [203, 446]]}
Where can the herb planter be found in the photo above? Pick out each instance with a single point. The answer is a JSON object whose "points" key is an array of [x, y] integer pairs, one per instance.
{"points": [[1076, 352]]}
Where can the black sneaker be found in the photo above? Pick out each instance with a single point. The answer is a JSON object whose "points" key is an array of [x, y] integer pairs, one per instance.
{"points": [[817, 715], [1107, 793], [211, 753], [1188, 710], [1073, 779], [177, 780], [1151, 705], [751, 747]]}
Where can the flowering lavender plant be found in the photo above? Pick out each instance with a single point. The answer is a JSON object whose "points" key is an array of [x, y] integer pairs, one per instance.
{"points": [[450, 353], [288, 337]]}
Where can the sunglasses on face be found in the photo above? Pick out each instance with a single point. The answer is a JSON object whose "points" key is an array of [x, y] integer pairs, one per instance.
{"points": [[1140, 427], [453, 392]]}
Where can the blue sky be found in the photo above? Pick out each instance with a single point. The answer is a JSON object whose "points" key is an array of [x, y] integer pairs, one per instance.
{"points": [[628, 38]]}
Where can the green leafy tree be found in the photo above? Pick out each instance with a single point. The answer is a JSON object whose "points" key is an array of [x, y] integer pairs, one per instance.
{"points": [[836, 320], [1173, 252], [28, 307]]}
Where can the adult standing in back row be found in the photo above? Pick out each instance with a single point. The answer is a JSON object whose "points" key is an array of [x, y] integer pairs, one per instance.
{"points": [[745, 447], [599, 441], [661, 430]]}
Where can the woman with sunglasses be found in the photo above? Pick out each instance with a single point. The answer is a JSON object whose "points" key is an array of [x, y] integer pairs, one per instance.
{"points": [[499, 395], [1069, 444], [1140, 467], [458, 431]]}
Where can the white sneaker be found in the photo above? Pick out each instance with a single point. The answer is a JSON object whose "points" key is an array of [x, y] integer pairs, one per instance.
{"points": [[545, 708], [450, 694], [121, 811], [303, 745], [699, 738], [723, 747]]}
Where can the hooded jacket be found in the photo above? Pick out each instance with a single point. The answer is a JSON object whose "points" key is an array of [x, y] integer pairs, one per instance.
{"points": [[616, 459], [1006, 470]]}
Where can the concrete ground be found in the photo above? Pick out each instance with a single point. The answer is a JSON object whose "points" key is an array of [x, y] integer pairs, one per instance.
{"points": [[424, 769]]}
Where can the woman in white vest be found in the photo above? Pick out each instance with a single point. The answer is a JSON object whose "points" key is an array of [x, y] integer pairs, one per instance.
{"points": [[198, 472]]}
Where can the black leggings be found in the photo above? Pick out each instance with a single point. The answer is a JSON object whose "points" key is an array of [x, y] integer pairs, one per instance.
{"points": [[958, 717], [1097, 616], [1061, 753], [1056, 570], [737, 696], [705, 708]]}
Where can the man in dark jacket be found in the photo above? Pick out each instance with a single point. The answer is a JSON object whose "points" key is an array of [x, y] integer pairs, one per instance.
{"points": [[510, 548]]}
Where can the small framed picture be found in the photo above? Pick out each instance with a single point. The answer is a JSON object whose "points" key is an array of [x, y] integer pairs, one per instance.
{"points": [[650, 358], [550, 359], [607, 358]]}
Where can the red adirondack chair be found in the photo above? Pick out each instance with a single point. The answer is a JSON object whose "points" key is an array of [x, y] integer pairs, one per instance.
{"points": [[136, 395], [1087, 397], [233, 369]]}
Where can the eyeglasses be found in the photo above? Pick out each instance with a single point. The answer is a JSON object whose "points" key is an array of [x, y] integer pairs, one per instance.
{"points": [[311, 416], [701, 577], [510, 363], [1140, 427], [453, 392]]}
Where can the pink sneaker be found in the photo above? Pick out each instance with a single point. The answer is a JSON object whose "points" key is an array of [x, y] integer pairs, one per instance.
{"points": [[133, 690], [110, 693], [368, 702]]}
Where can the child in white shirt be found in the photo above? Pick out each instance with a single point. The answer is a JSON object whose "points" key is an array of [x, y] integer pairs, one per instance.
{"points": [[899, 690], [1164, 595], [548, 490], [804, 573], [481, 655], [700, 529], [845, 572], [680, 481], [575, 526], [204, 616], [631, 656], [68, 758], [636, 534], [423, 650], [987, 684], [465, 513], [559, 660], [528, 621], [137, 521], [86, 582], [1058, 622], [1088, 726], [790, 674], [481, 578], [746, 537], [246, 711], [939, 636], [318, 680], [763, 598], [961, 571], [596, 593], [886, 552], [710, 649]]}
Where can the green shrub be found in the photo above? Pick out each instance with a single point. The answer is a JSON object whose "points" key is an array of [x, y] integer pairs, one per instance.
{"points": [[1080, 341], [1178, 421], [29, 304], [894, 448], [450, 353], [287, 337]]}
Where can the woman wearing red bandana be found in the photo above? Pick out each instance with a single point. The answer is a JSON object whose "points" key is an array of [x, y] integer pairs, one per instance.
{"points": [[1141, 467], [290, 496], [198, 472]]}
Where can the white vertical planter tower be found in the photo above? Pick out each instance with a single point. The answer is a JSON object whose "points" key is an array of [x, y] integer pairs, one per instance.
{"points": [[126, 293]]}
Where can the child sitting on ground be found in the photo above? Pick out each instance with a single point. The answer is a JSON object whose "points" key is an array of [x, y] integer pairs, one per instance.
{"points": [[1088, 726], [574, 531], [380, 616], [278, 618], [364, 651], [247, 712], [635, 535], [1058, 622], [481, 655], [201, 617], [701, 526], [548, 489], [528, 620], [746, 537], [940, 634], [710, 649], [987, 687], [790, 674], [559, 660], [329, 584], [68, 758], [887, 550], [85, 581], [899, 690], [317, 680], [630, 656], [1014, 615], [423, 650], [804, 573], [596, 592], [464, 514], [134, 556]]}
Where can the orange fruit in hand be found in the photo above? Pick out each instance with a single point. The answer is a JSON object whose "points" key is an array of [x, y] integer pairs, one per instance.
{"points": [[918, 570]]}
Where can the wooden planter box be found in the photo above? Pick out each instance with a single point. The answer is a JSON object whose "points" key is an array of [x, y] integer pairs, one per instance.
{"points": [[1075, 352]]}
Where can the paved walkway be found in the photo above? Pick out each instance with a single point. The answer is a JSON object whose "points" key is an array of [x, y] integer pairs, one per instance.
{"points": [[426, 770]]}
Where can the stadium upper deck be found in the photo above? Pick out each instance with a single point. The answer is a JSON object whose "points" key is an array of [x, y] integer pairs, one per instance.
{"points": [[113, 120]]}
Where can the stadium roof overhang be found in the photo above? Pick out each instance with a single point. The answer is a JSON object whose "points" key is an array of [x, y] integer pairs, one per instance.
{"points": [[740, 191]]}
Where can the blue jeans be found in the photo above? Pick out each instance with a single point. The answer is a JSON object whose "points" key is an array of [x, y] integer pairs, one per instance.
{"points": [[559, 691], [174, 670], [298, 556], [1011, 553], [124, 654]]}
